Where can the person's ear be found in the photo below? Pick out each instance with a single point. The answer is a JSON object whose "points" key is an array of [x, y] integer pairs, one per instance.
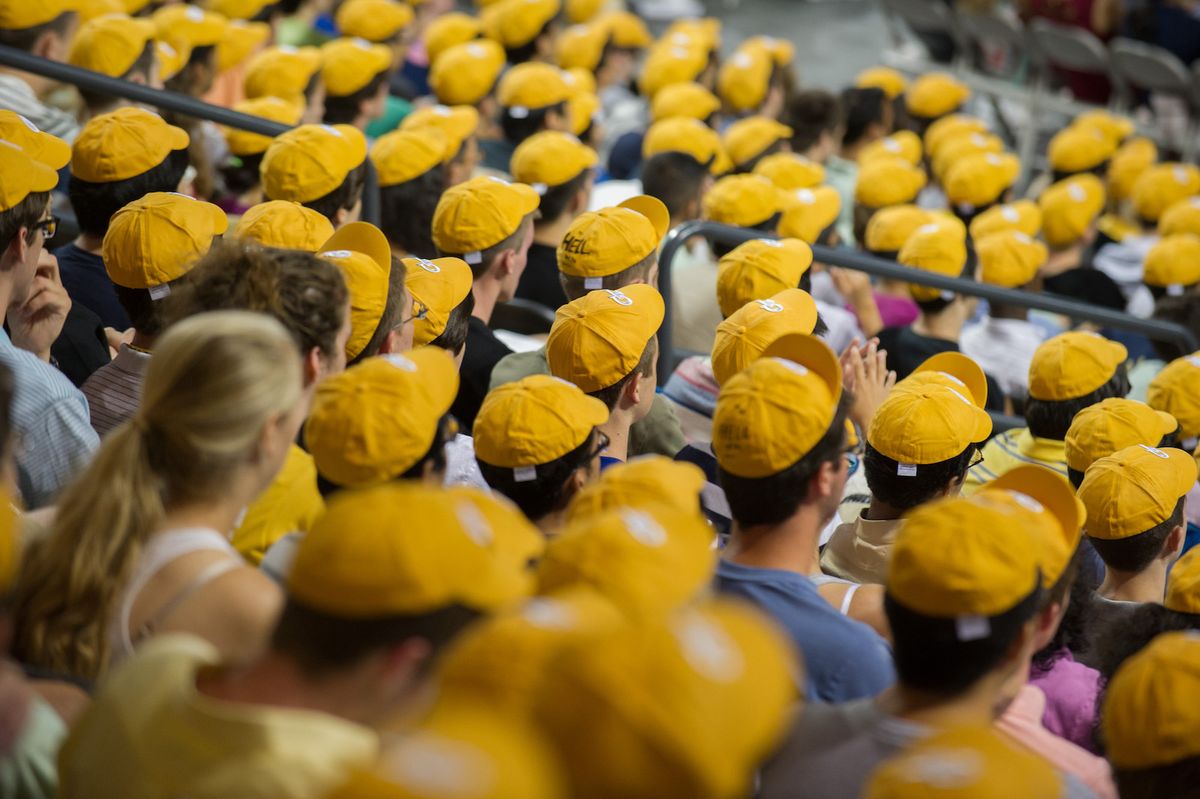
{"points": [[340, 217], [390, 344], [401, 664], [314, 366], [504, 264], [46, 45], [632, 393], [1174, 543]]}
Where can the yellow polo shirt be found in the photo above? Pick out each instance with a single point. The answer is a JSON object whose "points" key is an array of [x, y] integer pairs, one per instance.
{"points": [[150, 735], [1012, 449], [289, 505]]}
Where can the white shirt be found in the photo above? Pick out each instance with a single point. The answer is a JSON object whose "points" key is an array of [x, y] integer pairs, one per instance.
{"points": [[1004, 348]]}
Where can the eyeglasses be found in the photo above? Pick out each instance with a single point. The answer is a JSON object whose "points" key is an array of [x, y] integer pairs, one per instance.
{"points": [[48, 226], [851, 462], [976, 460], [422, 312], [602, 442]]}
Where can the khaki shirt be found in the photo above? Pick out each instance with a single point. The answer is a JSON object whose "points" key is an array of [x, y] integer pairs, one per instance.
{"points": [[860, 550]]}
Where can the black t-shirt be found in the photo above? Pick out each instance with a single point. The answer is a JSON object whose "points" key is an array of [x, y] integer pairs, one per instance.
{"points": [[539, 282], [86, 280], [482, 354], [907, 350], [81, 348]]}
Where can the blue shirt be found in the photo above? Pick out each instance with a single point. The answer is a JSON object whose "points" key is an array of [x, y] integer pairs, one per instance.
{"points": [[86, 281], [845, 659]]}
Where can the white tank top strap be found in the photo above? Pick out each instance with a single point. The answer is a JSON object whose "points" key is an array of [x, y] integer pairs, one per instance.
{"points": [[161, 549], [848, 598]]}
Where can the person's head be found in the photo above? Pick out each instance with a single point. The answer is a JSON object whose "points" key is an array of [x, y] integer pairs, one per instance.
{"points": [[882, 183], [1181, 217], [305, 293], [1009, 259], [379, 301], [537, 443], [1068, 373], [24, 218], [290, 73], [221, 404], [866, 115], [411, 165], [613, 248], [1070, 209], [1135, 504], [383, 22], [448, 30], [442, 303], [1077, 149], [892, 83], [977, 182], [1176, 390], [41, 29], [1022, 216], [750, 201], [120, 157], [759, 269], [747, 81], [811, 214], [669, 62], [197, 32], [118, 46], [526, 30], [939, 247], [458, 125], [533, 97], [1148, 699], [749, 140], [815, 117], [150, 245], [933, 96], [888, 228], [1172, 267], [241, 171], [1162, 186], [687, 135], [372, 599], [355, 74], [1111, 425], [319, 166], [640, 483], [383, 419], [679, 181], [466, 74], [606, 342], [779, 436], [488, 222], [742, 338], [689, 100], [284, 225], [560, 168]]}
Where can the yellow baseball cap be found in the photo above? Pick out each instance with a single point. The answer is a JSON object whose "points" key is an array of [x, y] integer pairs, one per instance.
{"points": [[743, 200], [1053, 513], [457, 123], [580, 11], [373, 20], [1073, 364], [1114, 424], [1127, 165], [516, 543], [686, 706], [309, 161], [10, 548], [1134, 489], [1079, 148], [1176, 390], [626, 30], [957, 148], [948, 128], [684, 100], [284, 224], [809, 212], [534, 421], [770, 414], [241, 40], [373, 422], [1009, 258], [966, 763], [479, 213], [702, 32], [348, 65], [440, 285], [156, 239], [402, 155], [281, 71], [748, 138], [1023, 216], [371, 555], [531, 86], [687, 135], [122, 144], [640, 483], [672, 62], [245, 143], [1115, 128], [888, 80], [362, 253], [611, 240], [1149, 718], [18, 15], [758, 269], [902, 144], [745, 78], [448, 30], [190, 25], [927, 424], [237, 9], [1182, 217], [598, 339], [1163, 185], [888, 181], [49, 150], [172, 58], [1183, 584], [939, 247], [519, 22], [466, 73], [981, 179], [890, 227], [550, 158], [645, 560], [581, 47], [952, 370], [1173, 263], [583, 108], [111, 44], [1069, 208], [935, 94], [789, 171], [749, 331]]}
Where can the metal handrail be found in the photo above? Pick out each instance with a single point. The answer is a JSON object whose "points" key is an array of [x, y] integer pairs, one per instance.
{"points": [[859, 261]]}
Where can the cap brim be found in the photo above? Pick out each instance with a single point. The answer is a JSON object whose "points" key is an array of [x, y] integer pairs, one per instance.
{"points": [[53, 151], [437, 367], [653, 209], [962, 368], [42, 177], [218, 219], [1168, 424], [1051, 490], [1185, 470], [811, 353], [362, 237]]}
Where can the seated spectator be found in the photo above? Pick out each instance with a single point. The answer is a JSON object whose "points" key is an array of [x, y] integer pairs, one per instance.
{"points": [[465, 75], [526, 30], [886, 232], [221, 406], [242, 171], [1111, 425], [977, 182], [118, 46], [867, 115], [355, 74], [892, 83], [293, 74], [1169, 24], [321, 167], [532, 98], [689, 100], [393, 25], [44, 30], [1071, 209], [687, 135], [150, 245], [639, 483], [411, 165], [1080, 147], [815, 118], [933, 96], [881, 182], [442, 303], [459, 125], [284, 225], [1174, 391], [749, 140]]}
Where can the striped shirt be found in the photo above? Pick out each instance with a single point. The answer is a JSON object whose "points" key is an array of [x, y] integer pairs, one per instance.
{"points": [[1012, 449], [17, 95], [114, 390], [50, 422]]}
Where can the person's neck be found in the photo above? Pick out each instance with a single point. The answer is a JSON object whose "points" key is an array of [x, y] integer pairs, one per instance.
{"points": [[6, 269], [880, 511], [1148, 585], [850, 152], [979, 706], [552, 523], [790, 545], [218, 514], [89, 243], [617, 430], [551, 234], [487, 294], [1009, 312], [946, 325], [142, 341], [1063, 260], [893, 288]]}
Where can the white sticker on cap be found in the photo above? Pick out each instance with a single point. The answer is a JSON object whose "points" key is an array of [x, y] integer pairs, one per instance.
{"points": [[906, 469], [429, 765], [400, 362], [709, 649], [441, 110], [795, 367], [1181, 175], [770, 306], [477, 50], [891, 145], [806, 196], [540, 188], [474, 524], [1076, 192], [1194, 360], [473, 257], [1027, 502], [336, 254], [332, 129], [501, 181], [518, 112], [593, 283], [947, 769], [1158, 453], [743, 60], [525, 474], [548, 614], [28, 124], [972, 628], [619, 298], [643, 529], [361, 44], [931, 227], [773, 242], [1010, 213], [158, 292], [194, 14]]}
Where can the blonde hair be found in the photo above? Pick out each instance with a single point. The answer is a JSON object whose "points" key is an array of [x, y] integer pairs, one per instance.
{"points": [[215, 380]]}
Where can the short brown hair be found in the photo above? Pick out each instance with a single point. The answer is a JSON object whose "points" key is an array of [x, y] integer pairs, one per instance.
{"points": [[645, 366], [638, 273]]}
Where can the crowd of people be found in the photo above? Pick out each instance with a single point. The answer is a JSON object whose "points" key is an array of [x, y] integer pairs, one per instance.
{"points": [[300, 505]]}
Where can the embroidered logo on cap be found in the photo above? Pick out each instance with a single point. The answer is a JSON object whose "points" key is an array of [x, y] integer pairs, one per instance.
{"points": [[770, 306], [619, 298]]}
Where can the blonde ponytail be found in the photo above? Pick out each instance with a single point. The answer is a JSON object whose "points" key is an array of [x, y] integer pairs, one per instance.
{"points": [[215, 380]]}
